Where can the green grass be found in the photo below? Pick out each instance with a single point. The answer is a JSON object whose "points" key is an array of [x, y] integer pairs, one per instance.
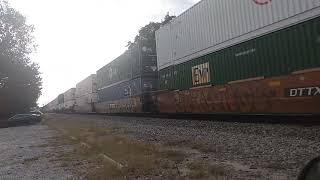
{"points": [[201, 170], [139, 158]]}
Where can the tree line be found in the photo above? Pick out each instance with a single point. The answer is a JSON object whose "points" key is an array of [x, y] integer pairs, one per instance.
{"points": [[20, 80]]}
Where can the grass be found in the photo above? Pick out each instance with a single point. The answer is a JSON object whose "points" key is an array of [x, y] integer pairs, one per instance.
{"points": [[174, 155], [138, 158], [201, 170], [275, 166], [202, 147]]}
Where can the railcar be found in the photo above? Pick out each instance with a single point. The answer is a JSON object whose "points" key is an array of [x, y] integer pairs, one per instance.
{"points": [[69, 100], [86, 95], [125, 84], [220, 56], [227, 56]]}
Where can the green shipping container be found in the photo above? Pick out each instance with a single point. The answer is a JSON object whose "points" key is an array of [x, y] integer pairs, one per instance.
{"points": [[279, 53]]}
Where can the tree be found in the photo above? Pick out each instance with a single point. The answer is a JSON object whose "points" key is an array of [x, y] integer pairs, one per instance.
{"points": [[167, 19], [20, 80], [147, 37]]}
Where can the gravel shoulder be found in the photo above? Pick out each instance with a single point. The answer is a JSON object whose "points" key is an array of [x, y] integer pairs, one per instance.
{"points": [[233, 150], [27, 153]]}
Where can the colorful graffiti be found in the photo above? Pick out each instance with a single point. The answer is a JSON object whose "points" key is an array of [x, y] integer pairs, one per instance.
{"points": [[258, 95], [253, 96], [125, 105]]}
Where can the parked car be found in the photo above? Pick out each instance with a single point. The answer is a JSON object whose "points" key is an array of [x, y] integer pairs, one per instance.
{"points": [[24, 119], [36, 112]]}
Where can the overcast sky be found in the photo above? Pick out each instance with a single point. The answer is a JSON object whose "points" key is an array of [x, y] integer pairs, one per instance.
{"points": [[78, 37]]}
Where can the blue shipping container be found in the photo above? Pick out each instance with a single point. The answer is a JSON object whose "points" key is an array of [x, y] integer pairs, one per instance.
{"points": [[126, 89], [120, 90]]}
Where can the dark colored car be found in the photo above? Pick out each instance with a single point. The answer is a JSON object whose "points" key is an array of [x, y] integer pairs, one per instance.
{"points": [[36, 112], [24, 119]]}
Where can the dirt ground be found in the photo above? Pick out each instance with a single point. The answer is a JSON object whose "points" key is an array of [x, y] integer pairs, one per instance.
{"points": [[28, 153]]}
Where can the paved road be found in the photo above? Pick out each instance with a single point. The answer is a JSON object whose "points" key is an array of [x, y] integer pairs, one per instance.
{"points": [[26, 154]]}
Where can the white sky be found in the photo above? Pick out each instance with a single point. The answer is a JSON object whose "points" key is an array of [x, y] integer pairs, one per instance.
{"points": [[78, 37]]}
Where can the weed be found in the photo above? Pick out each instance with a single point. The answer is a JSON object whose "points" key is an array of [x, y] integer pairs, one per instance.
{"points": [[174, 155], [216, 171], [201, 147], [200, 170], [139, 159]]}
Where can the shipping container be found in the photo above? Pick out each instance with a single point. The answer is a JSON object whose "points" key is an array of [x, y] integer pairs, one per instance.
{"points": [[53, 105], [213, 25], [87, 86], [279, 53], [130, 65], [70, 95], [125, 105], [61, 99], [69, 100], [127, 89], [85, 103], [69, 105]]}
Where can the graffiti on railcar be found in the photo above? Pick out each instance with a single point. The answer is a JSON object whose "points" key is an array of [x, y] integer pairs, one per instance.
{"points": [[253, 97], [131, 105]]}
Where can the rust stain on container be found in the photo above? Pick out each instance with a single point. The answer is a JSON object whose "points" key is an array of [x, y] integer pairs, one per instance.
{"points": [[275, 83]]}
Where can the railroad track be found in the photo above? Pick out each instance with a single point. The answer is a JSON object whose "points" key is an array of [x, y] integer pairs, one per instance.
{"points": [[301, 119]]}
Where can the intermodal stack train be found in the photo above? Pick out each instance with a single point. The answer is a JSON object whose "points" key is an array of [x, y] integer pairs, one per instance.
{"points": [[220, 56]]}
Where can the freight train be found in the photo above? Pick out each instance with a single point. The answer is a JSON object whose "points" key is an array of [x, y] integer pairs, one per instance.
{"points": [[220, 56]]}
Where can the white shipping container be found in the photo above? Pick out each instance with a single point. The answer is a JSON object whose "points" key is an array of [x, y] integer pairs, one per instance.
{"points": [[69, 104], [53, 105], [70, 95], [87, 86], [84, 103], [212, 25], [61, 107]]}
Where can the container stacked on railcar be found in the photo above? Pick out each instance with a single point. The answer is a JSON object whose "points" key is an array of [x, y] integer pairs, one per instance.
{"points": [[124, 85], [86, 95], [52, 106], [241, 57], [61, 102], [70, 100]]}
